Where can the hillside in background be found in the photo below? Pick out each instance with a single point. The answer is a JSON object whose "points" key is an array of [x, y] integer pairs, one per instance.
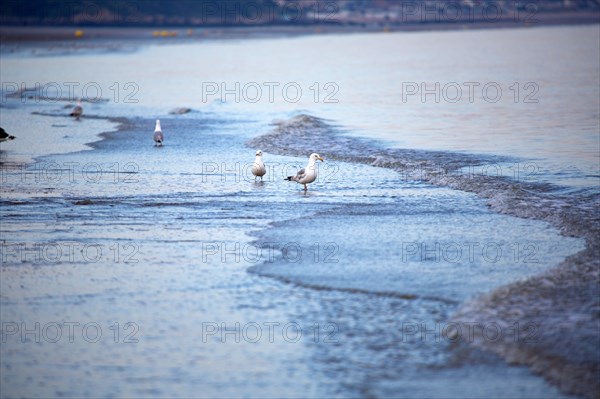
{"points": [[278, 12]]}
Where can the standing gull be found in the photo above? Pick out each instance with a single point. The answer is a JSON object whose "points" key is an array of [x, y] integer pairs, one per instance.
{"points": [[258, 167], [158, 134], [77, 111], [5, 136], [309, 173]]}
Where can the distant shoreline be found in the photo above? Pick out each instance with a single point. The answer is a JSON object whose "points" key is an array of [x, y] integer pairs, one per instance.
{"points": [[83, 33]]}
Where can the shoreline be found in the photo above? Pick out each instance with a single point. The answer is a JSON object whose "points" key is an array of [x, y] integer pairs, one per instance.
{"points": [[85, 145], [570, 366]]}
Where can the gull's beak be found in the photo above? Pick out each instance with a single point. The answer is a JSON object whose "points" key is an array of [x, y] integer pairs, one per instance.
{"points": [[321, 159]]}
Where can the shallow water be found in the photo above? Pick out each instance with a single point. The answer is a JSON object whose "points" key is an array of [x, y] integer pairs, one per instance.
{"points": [[163, 237], [553, 123], [163, 234]]}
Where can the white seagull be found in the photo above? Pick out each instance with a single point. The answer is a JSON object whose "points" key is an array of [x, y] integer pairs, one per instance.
{"points": [[158, 134], [258, 167], [309, 173], [5, 136], [77, 111]]}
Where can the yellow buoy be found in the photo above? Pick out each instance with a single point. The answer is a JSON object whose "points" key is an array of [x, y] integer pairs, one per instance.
{"points": [[78, 33]]}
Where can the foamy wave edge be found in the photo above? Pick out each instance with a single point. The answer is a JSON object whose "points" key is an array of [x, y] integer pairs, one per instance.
{"points": [[563, 302]]}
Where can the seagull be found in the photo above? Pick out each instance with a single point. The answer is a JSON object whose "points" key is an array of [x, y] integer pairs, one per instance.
{"points": [[258, 168], [5, 136], [309, 173], [77, 111], [158, 134]]}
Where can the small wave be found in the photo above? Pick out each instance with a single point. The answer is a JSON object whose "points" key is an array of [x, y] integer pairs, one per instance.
{"points": [[323, 287], [575, 215], [563, 301]]}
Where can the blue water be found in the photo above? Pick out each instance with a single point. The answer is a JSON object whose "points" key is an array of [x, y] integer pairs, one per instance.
{"points": [[183, 243]]}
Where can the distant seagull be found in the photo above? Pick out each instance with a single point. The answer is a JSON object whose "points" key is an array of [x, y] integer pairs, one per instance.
{"points": [[158, 134], [5, 136], [308, 174], [258, 167], [77, 111]]}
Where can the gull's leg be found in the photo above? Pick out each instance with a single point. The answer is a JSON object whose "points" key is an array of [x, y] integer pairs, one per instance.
{"points": [[305, 188]]}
